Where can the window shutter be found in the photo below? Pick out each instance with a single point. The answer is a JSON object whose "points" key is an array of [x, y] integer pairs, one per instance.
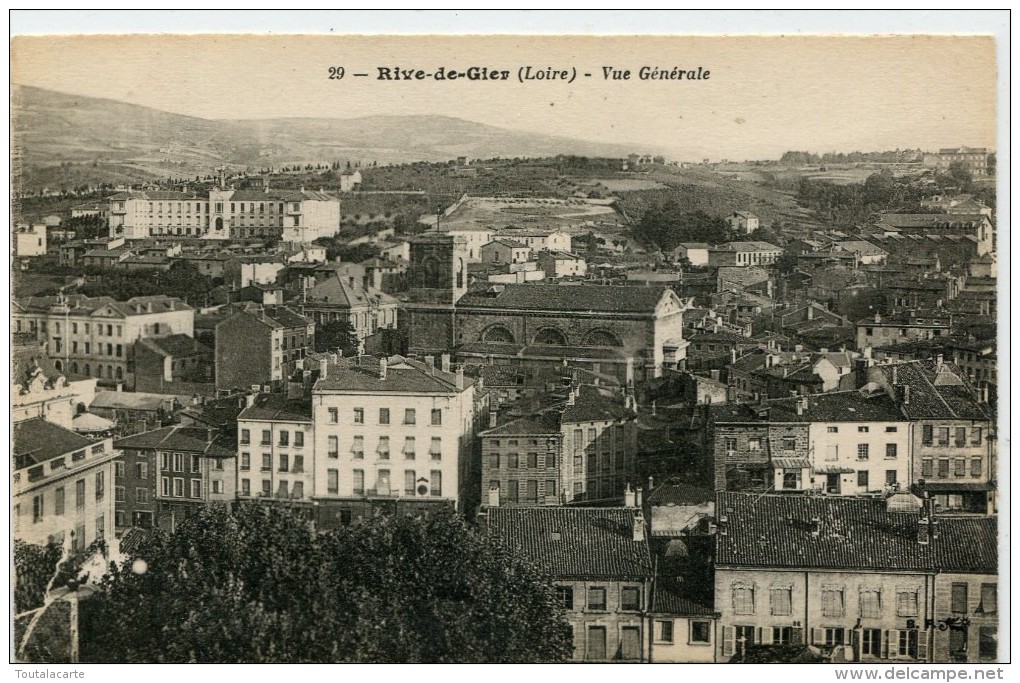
{"points": [[885, 643], [796, 636], [765, 637], [922, 646], [727, 641], [818, 636]]}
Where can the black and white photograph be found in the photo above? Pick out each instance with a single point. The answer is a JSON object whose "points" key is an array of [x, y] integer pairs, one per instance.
{"points": [[508, 349]]}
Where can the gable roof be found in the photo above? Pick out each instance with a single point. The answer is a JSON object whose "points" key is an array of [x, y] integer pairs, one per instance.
{"points": [[361, 374], [37, 440], [565, 298], [936, 391], [178, 438], [967, 544], [174, 345], [276, 407], [574, 542]]}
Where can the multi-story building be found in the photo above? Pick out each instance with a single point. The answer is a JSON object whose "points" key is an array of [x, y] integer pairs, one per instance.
{"points": [[744, 254], [177, 364], [39, 390], [366, 308], [95, 337], [600, 562], [974, 159], [292, 215], [180, 469], [743, 222], [581, 447], [261, 345], [966, 611], [905, 327], [557, 264], [61, 484], [505, 251], [275, 449], [953, 444], [391, 429], [537, 240], [30, 240]]}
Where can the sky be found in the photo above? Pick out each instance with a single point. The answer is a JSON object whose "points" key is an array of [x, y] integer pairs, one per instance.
{"points": [[764, 95]]}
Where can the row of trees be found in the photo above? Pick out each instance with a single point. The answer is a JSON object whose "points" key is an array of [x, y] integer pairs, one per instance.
{"points": [[665, 226], [259, 584]]}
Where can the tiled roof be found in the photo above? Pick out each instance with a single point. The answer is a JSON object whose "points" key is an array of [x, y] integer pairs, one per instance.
{"points": [[175, 345], [667, 599], [276, 407], [936, 393], [967, 544], [837, 406], [592, 404], [578, 542], [177, 438], [544, 422], [131, 400], [853, 533], [334, 291], [37, 440], [593, 298], [678, 493], [748, 246], [361, 374], [863, 248], [133, 540], [928, 220]]}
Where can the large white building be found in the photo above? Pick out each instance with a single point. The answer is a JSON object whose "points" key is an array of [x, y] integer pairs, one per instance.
{"points": [[391, 428], [292, 215]]}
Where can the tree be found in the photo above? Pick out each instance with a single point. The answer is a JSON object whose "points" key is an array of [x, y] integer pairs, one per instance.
{"points": [[260, 585], [336, 334], [665, 226], [777, 654]]}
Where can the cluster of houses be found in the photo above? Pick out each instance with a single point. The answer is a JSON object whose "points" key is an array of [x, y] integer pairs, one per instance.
{"points": [[703, 464]]}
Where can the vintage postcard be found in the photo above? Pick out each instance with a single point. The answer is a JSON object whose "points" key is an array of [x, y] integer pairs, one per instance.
{"points": [[506, 349]]}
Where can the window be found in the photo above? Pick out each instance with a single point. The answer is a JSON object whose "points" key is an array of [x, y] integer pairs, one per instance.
{"points": [[409, 482], [118, 469], [178, 487], [975, 436], [975, 467], [927, 467], [141, 495], [832, 430], [782, 635], [664, 631], [58, 503], [437, 416], [943, 436], [196, 488], [958, 598], [217, 487], [989, 598], [961, 437], [597, 599], [863, 430], [299, 439], [862, 479], [906, 643], [596, 643], [359, 482], [789, 444], [267, 462], [960, 467], [38, 503], [100, 485], [890, 477], [195, 464], [781, 601], [871, 642], [436, 449], [409, 453], [754, 444], [358, 447], [333, 447], [927, 435], [245, 437], [943, 467], [267, 437], [359, 416], [334, 415], [891, 430], [284, 438], [862, 451], [332, 481], [550, 460], [100, 526], [565, 597], [383, 449], [384, 416], [284, 464], [409, 418], [832, 602], [267, 488], [245, 461], [988, 639], [871, 603], [906, 603], [436, 478], [118, 494], [165, 486], [743, 600], [630, 598], [701, 632], [178, 462]]}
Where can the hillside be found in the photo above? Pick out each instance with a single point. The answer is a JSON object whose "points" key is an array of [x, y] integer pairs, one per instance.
{"points": [[98, 140]]}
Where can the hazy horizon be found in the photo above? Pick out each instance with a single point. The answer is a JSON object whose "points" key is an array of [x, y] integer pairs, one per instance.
{"points": [[766, 95]]}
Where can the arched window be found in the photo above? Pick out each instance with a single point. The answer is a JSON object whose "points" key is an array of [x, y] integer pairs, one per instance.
{"points": [[99, 370], [498, 334], [88, 370], [74, 368], [109, 371], [601, 338], [550, 336], [58, 365], [460, 273]]}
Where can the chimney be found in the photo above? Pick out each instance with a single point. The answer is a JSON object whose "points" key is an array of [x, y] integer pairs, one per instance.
{"points": [[323, 368], [906, 394], [249, 399], [939, 359], [733, 355], [983, 393], [810, 312], [894, 375], [570, 397], [120, 386], [382, 368], [651, 483], [430, 363], [628, 497], [493, 417], [801, 405], [639, 522], [460, 376], [445, 361], [769, 360], [210, 434], [714, 374], [878, 317], [638, 497], [816, 527]]}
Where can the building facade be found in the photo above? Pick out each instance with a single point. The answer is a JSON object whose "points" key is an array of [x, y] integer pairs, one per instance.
{"points": [[275, 449], [261, 345]]}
